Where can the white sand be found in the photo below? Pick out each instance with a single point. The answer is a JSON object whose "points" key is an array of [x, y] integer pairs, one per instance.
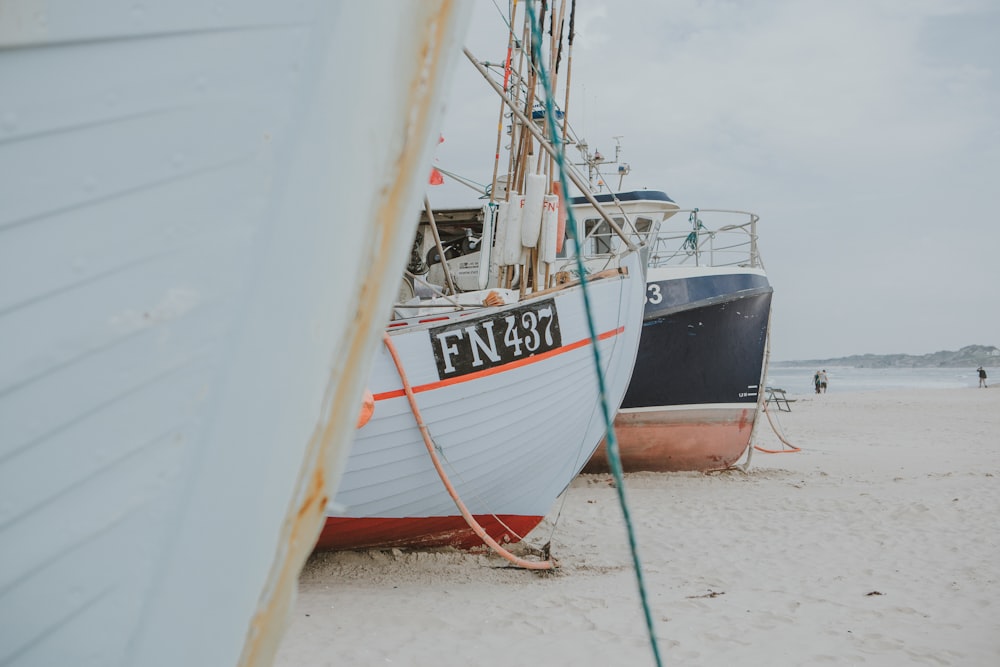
{"points": [[878, 544]]}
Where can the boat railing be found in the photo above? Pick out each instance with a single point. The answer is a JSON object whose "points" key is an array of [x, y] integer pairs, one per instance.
{"points": [[710, 237]]}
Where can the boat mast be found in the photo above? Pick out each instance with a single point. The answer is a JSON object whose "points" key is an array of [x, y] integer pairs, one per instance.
{"points": [[569, 68], [535, 132], [506, 81]]}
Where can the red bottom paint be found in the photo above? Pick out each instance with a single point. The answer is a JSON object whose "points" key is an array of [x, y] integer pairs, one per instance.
{"points": [[342, 533], [678, 441]]}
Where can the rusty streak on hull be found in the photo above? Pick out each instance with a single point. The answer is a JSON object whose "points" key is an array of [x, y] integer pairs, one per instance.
{"points": [[305, 517]]}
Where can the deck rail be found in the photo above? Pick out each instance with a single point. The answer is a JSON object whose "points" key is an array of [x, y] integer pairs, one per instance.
{"points": [[710, 237]]}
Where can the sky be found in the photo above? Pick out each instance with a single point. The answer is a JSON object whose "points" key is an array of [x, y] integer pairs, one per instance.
{"points": [[864, 133]]}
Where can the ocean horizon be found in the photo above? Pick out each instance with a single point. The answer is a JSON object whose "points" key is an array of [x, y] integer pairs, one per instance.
{"points": [[799, 379]]}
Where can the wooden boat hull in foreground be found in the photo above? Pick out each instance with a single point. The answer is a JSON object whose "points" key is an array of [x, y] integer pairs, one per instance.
{"points": [[205, 208]]}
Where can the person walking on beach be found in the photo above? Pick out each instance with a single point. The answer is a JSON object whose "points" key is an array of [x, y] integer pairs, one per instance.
{"points": [[982, 377], [822, 380], [816, 380]]}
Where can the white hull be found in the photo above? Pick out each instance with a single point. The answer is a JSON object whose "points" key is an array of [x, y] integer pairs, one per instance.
{"points": [[205, 209], [511, 437]]}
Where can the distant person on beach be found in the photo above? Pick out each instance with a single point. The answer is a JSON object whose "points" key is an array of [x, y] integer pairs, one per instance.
{"points": [[816, 381], [982, 377], [822, 380]]}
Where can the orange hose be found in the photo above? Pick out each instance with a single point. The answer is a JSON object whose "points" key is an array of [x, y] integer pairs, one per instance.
{"points": [[466, 514], [774, 428]]}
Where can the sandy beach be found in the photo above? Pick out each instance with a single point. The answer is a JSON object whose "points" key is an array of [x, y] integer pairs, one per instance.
{"points": [[878, 543]]}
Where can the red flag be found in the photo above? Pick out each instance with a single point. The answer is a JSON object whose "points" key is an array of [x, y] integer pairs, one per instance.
{"points": [[436, 177]]}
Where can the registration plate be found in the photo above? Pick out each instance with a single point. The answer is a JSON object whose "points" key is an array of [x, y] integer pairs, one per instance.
{"points": [[496, 339]]}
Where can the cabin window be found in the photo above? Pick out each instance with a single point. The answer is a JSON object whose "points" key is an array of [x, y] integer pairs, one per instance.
{"points": [[643, 226], [599, 237]]}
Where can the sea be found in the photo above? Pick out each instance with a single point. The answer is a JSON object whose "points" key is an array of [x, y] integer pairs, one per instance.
{"points": [[799, 379]]}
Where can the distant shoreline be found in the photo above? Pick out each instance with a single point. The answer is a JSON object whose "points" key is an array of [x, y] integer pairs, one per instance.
{"points": [[800, 379], [987, 356], [835, 363]]}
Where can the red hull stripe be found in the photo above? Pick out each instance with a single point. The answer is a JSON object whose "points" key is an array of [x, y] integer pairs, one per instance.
{"points": [[341, 533], [499, 369]]}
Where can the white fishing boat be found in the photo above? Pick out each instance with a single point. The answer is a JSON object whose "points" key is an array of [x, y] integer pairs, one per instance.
{"points": [[204, 212], [510, 399], [487, 402]]}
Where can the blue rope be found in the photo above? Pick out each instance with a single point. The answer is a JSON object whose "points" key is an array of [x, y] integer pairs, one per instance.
{"points": [[691, 242], [614, 459]]}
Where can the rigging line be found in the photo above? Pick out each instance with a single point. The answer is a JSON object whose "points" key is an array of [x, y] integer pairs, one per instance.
{"points": [[611, 441], [762, 402], [480, 188], [761, 393], [503, 16], [767, 363], [762, 381]]}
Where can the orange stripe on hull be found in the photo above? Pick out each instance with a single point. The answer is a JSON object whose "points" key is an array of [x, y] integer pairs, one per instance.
{"points": [[533, 359], [651, 445], [343, 533]]}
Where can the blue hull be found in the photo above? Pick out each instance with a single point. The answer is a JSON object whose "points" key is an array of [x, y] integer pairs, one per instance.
{"points": [[703, 341]]}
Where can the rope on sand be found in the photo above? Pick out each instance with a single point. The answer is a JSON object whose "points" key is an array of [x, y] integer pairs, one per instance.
{"points": [[762, 406], [791, 448]]}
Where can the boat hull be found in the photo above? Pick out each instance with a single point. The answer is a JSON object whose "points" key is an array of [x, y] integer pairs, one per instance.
{"points": [[510, 437], [692, 402]]}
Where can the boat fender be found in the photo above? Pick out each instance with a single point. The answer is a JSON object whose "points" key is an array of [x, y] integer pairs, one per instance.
{"points": [[512, 235], [534, 197], [487, 257], [367, 408], [561, 233], [501, 234], [550, 229]]}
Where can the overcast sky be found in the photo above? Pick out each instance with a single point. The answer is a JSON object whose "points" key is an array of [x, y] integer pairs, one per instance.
{"points": [[864, 133]]}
